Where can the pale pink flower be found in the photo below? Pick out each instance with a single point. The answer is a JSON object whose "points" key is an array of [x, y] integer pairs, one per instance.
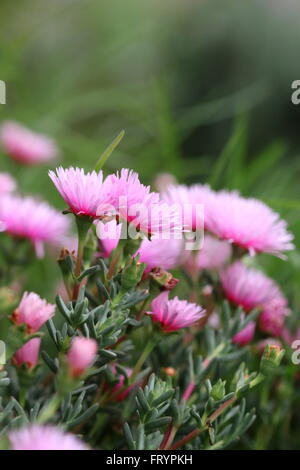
{"points": [[213, 255], [174, 314], [248, 287], [28, 354], [33, 312], [143, 210], [83, 192], [249, 224], [165, 254], [194, 202], [273, 317], [156, 252], [163, 180], [81, 355], [7, 183], [44, 437], [33, 220], [26, 146], [245, 336]]}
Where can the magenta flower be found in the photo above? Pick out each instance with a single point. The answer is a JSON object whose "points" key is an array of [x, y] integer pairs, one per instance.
{"points": [[81, 355], [7, 183], [33, 312], [28, 354], [44, 437], [25, 146], [174, 314], [83, 192], [142, 209], [194, 203], [249, 224], [33, 220], [245, 336]]}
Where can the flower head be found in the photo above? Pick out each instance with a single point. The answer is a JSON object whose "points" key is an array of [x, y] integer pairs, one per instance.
{"points": [[33, 220], [7, 183], [28, 354], [245, 336], [213, 255], [83, 192], [44, 437], [194, 202], [26, 146], [81, 355], [33, 312], [249, 224], [248, 287], [174, 314], [142, 209], [272, 318]]}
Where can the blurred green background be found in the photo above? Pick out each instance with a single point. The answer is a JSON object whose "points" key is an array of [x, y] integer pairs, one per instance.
{"points": [[201, 87]]}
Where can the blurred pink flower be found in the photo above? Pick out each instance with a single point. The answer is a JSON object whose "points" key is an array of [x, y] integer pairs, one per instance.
{"points": [[81, 355], [248, 287], [174, 314], [191, 200], [34, 220], [26, 146], [83, 192], [289, 337], [245, 336], [28, 354], [213, 255], [156, 252], [249, 224], [165, 254], [33, 311], [44, 437], [7, 183], [272, 318]]}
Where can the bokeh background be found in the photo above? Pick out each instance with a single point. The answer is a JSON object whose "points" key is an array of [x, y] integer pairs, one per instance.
{"points": [[201, 87]]}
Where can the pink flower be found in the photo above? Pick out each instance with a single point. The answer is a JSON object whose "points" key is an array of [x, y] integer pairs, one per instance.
{"points": [[156, 252], [142, 209], [44, 437], [7, 183], [249, 224], [28, 354], [248, 287], [174, 314], [25, 146], [34, 220], [166, 254], [272, 318], [194, 201], [84, 193], [33, 311], [289, 337], [213, 255], [81, 355], [245, 336]]}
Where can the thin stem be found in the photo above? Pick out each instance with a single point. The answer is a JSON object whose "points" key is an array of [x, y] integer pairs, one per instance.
{"points": [[50, 409], [148, 348]]}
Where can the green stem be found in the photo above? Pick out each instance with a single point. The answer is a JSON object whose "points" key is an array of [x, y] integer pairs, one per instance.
{"points": [[83, 225], [50, 409], [148, 348]]}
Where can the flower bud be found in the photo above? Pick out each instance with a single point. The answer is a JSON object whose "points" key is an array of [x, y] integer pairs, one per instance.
{"points": [[271, 359], [28, 354], [218, 390], [81, 355]]}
